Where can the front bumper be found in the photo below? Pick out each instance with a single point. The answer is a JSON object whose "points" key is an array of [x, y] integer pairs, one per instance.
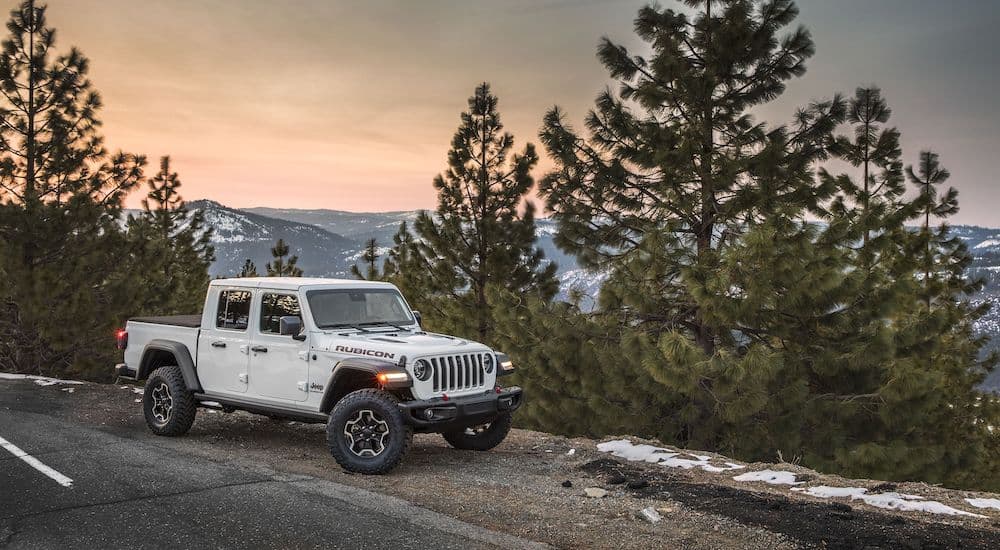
{"points": [[438, 414]]}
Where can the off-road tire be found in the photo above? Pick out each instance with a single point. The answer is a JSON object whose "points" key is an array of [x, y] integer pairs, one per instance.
{"points": [[394, 443], [484, 440], [178, 420]]}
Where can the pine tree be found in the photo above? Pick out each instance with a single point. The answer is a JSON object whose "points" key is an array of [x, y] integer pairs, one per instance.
{"points": [[406, 268], [933, 416], [172, 248], [248, 269], [884, 357], [673, 182], [370, 256], [928, 176], [875, 149], [63, 287], [399, 263], [477, 237], [675, 167], [280, 266]]}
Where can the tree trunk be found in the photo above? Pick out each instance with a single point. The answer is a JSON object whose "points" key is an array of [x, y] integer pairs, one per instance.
{"points": [[703, 334]]}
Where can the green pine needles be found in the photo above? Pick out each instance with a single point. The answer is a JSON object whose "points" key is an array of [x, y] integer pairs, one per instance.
{"points": [[756, 304], [483, 231]]}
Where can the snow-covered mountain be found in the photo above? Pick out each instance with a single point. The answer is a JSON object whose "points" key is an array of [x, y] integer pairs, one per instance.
{"points": [[241, 234], [382, 226], [329, 242], [359, 226]]}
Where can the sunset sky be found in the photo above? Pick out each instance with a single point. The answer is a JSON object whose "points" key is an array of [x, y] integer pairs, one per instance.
{"points": [[352, 105]]}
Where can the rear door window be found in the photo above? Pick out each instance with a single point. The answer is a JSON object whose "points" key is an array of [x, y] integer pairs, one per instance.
{"points": [[234, 310]]}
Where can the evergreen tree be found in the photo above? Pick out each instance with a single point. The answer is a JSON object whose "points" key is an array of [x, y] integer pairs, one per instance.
{"points": [[674, 180], [675, 167], [933, 414], [63, 288], [875, 149], [406, 268], [172, 248], [477, 237], [283, 265], [248, 269], [928, 176], [370, 256]]}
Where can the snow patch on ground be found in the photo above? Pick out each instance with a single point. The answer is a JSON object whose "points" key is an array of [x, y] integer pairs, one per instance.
{"points": [[40, 380], [988, 243], [889, 500], [993, 503], [380, 251], [624, 448], [774, 477], [824, 491]]}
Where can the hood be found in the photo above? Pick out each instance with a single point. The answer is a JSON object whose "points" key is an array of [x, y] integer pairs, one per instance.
{"points": [[392, 344]]}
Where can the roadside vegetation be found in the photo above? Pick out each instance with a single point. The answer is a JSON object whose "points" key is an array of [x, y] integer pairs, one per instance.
{"points": [[757, 302]]}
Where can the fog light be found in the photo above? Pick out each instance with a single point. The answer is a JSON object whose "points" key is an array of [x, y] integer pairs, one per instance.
{"points": [[429, 414]]}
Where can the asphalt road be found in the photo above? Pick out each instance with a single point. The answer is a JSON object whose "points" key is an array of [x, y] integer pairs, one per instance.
{"points": [[132, 490]]}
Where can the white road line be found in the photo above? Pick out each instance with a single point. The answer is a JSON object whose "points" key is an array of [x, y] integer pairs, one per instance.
{"points": [[35, 463]]}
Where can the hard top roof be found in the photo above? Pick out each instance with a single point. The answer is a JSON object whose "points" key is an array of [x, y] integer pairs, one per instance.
{"points": [[296, 283]]}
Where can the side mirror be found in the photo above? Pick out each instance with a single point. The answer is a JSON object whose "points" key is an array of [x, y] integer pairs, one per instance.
{"points": [[290, 325], [418, 317]]}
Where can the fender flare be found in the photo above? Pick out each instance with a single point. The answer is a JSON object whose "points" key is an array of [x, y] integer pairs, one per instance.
{"points": [[180, 353], [346, 372]]}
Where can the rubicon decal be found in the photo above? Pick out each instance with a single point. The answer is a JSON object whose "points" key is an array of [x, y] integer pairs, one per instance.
{"points": [[368, 352]]}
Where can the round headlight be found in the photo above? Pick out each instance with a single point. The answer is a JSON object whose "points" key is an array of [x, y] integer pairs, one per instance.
{"points": [[488, 363], [422, 370]]}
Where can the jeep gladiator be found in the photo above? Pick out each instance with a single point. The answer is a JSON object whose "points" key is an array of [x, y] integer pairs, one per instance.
{"points": [[345, 352]]}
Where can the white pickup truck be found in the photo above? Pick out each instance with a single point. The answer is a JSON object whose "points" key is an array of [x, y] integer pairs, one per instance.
{"points": [[345, 352]]}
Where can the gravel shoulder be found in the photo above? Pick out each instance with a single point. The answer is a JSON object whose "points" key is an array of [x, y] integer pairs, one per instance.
{"points": [[520, 487]]}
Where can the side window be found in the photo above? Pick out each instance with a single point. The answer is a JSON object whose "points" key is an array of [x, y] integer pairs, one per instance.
{"points": [[275, 306], [234, 310]]}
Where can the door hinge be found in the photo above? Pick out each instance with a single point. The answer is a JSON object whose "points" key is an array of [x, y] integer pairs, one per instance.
{"points": [[303, 386], [243, 377]]}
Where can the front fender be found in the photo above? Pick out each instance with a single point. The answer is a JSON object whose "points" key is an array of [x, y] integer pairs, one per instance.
{"points": [[355, 373]]}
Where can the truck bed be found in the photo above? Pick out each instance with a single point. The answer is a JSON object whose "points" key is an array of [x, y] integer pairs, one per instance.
{"points": [[183, 329], [189, 321]]}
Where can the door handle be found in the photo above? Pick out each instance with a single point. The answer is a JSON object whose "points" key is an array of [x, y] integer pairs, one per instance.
{"points": [[218, 344], [259, 349]]}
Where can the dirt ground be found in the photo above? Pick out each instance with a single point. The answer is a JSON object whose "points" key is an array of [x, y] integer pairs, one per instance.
{"points": [[534, 484]]}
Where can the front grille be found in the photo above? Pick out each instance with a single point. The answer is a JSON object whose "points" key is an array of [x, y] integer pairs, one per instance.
{"points": [[458, 372]]}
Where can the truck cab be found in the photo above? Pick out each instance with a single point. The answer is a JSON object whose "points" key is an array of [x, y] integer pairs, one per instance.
{"points": [[298, 347]]}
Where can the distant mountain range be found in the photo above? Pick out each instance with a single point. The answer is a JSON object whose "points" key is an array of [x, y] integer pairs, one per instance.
{"points": [[329, 242]]}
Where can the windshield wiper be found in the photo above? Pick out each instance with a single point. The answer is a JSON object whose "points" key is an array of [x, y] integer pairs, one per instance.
{"points": [[345, 325], [387, 323]]}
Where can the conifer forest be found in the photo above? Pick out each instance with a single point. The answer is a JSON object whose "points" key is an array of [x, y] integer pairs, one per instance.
{"points": [[773, 289]]}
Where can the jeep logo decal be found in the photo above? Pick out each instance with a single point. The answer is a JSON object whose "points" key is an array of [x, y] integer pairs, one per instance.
{"points": [[315, 387], [363, 351]]}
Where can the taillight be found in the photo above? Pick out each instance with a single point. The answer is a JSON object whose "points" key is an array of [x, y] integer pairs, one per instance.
{"points": [[121, 338]]}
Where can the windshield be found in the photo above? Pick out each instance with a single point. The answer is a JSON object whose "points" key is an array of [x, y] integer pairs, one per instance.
{"points": [[358, 307]]}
